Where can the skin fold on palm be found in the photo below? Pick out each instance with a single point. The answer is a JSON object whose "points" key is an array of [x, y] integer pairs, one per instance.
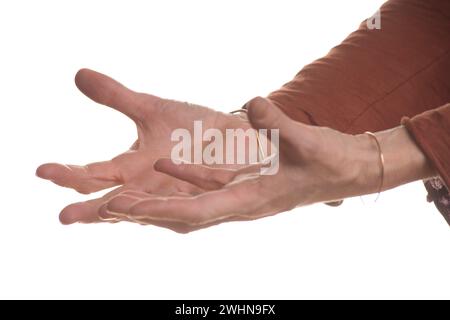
{"points": [[155, 119]]}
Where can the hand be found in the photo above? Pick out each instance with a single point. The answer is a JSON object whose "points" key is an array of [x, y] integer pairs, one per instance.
{"points": [[155, 120], [316, 164]]}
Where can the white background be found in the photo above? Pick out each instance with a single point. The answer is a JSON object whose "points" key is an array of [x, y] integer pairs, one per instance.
{"points": [[218, 54]]}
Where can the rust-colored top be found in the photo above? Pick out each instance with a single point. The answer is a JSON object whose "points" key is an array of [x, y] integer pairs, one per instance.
{"points": [[379, 78]]}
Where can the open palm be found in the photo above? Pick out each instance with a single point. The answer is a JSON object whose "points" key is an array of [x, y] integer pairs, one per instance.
{"points": [[316, 164], [155, 120]]}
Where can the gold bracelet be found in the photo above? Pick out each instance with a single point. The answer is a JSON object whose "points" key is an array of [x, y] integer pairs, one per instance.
{"points": [[380, 152], [261, 151]]}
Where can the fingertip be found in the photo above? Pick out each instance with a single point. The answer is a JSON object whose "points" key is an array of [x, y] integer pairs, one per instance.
{"points": [[162, 164], [70, 214], [64, 221], [89, 83], [41, 171], [256, 107], [258, 111], [158, 163], [81, 74], [48, 170]]}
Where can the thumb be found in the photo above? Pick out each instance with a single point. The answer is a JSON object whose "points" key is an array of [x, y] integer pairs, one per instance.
{"points": [[263, 114], [107, 91]]}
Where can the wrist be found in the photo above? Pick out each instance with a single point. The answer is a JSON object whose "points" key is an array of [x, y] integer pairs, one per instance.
{"points": [[404, 162], [366, 163]]}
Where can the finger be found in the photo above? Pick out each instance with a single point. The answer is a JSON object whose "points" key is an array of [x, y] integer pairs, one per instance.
{"points": [[297, 141], [262, 114], [107, 91], [245, 200], [81, 212], [127, 198], [123, 201], [199, 175], [88, 211], [202, 176], [85, 179]]}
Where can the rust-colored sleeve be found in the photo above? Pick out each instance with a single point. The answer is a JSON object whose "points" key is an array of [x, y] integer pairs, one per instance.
{"points": [[375, 77], [431, 131]]}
